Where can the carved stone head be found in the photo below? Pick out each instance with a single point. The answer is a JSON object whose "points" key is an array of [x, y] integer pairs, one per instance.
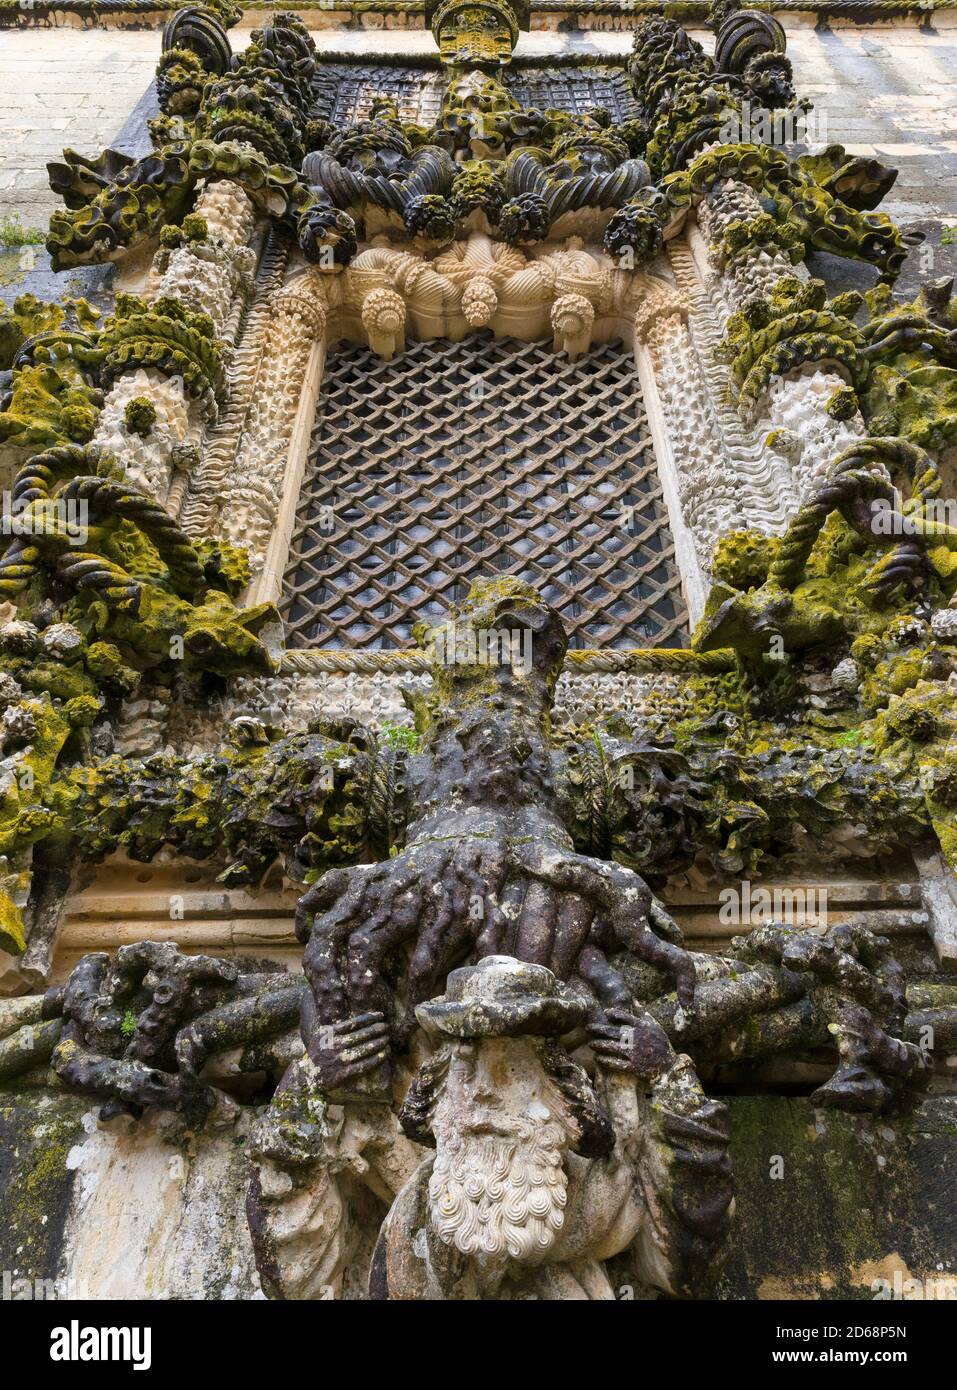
{"points": [[504, 1106]]}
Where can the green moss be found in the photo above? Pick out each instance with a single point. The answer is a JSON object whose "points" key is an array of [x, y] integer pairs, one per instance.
{"points": [[225, 566], [842, 404], [139, 415], [27, 317], [743, 558], [400, 736], [37, 1131], [13, 233], [815, 1209], [50, 405]]}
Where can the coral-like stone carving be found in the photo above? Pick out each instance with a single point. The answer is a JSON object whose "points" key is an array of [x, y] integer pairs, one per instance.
{"points": [[477, 33], [248, 511]]}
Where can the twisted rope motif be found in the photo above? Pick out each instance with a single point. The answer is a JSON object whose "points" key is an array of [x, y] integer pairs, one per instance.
{"points": [[859, 475], [111, 498], [577, 663], [94, 496], [34, 484], [83, 570]]}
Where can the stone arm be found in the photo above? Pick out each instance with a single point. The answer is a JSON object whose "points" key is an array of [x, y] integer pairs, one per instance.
{"points": [[318, 1171], [668, 1179], [685, 1185]]}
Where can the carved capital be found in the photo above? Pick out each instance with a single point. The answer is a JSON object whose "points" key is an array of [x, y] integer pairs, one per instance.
{"points": [[304, 299], [573, 317]]}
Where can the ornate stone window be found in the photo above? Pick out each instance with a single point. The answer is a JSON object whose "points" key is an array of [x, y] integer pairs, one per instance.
{"points": [[577, 90], [487, 456], [345, 92]]}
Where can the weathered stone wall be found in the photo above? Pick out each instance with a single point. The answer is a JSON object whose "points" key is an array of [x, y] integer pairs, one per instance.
{"points": [[145, 1212], [826, 1203], [62, 87]]}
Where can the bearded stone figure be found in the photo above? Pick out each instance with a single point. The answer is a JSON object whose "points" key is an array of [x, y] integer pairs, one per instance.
{"points": [[494, 991], [542, 1174]]}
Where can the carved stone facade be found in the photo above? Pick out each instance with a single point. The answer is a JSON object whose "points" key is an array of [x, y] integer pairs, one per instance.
{"points": [[456, 933]]}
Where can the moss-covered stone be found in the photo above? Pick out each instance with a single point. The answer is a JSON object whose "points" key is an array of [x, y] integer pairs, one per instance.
{"points": [[829, 1204], [37, 1131]]}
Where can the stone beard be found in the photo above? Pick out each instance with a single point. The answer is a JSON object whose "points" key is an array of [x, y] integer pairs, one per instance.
{"points": [[500, 1194]]}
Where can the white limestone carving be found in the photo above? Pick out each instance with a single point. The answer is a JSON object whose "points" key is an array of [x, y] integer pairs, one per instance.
{"points": [[474, 283], [172, 441], [798, 429], [206, 277], [292, 702], [255, 485], [383, 298], [209, 483]]}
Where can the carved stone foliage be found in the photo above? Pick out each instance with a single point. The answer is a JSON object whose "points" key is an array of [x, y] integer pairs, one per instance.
{"points": [[489, 1080], [535, 172], [495, 940]]}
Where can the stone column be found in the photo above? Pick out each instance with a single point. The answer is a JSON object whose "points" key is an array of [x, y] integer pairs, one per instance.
{"points": [[206, 277], [258, 505], [795, 440]]}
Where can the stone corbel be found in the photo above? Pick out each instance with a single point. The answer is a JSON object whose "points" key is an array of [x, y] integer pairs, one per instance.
{"points": [[386, 291], [476, 283], [582, 289], [384, 318], [573, 318]]}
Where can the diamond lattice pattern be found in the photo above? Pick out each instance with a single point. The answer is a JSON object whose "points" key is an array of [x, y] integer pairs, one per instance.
{"points": [[482, 457]]}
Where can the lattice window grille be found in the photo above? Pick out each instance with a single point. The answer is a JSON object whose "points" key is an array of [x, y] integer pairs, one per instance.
{"points": [[345, 94], [575, 90], [485, 456]]}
